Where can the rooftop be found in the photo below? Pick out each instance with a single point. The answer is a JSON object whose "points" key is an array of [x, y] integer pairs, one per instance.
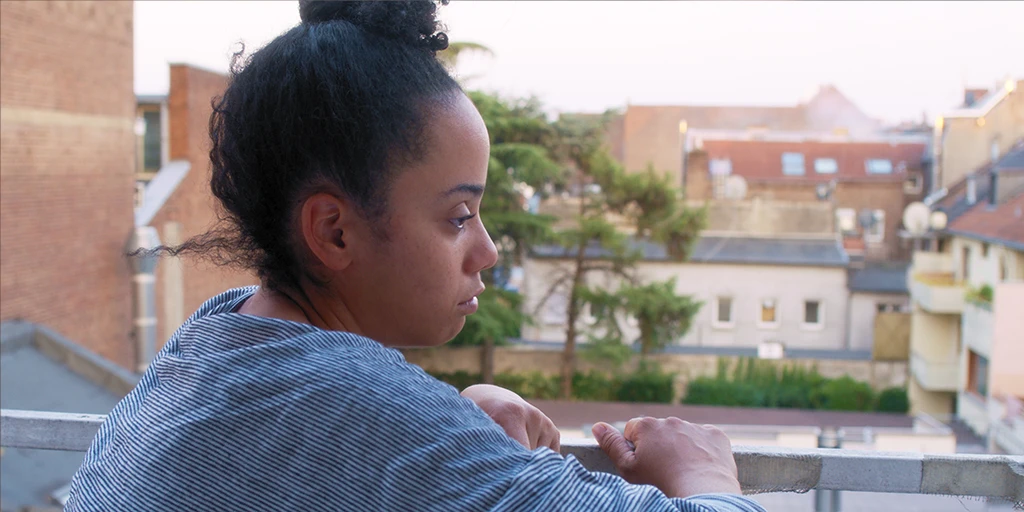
{"points": [[42, 371], [880, 278], [1003, 224]]}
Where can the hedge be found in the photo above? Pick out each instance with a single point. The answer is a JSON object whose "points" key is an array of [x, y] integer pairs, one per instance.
{"points": [[647, 385], [760, 383]]}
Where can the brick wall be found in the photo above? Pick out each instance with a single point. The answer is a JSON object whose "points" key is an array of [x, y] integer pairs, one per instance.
{"points": [[884, 195], [66, 170], [190, 210]]}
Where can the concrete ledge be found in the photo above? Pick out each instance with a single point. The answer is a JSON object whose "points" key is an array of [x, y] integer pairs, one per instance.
{"points": [[48, 430], [761, 469]]}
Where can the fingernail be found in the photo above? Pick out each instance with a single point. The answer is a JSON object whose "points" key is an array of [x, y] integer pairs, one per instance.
{"points": [[599, 430]]}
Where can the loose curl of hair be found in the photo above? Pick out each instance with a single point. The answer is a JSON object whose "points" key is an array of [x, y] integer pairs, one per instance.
{"points": [[333, 105]]}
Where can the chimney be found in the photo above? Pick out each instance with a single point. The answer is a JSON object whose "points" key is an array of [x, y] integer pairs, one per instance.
{"points": [[972, 190]]}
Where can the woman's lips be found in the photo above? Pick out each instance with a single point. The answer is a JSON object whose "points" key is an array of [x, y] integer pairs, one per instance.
{"points": [[469, 307]]}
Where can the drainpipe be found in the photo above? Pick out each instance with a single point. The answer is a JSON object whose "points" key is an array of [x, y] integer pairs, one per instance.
{"points": [[144, 294]]}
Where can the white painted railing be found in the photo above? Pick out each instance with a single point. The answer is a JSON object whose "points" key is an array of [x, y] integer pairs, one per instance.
{"points": [[761, 469]]}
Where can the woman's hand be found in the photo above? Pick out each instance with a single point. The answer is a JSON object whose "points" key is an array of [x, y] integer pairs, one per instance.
{"points": [[521, 421], [676, 456]]}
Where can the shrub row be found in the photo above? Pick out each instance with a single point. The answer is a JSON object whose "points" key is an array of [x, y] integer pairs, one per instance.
{"points": [[647, 385], [760, 383]]}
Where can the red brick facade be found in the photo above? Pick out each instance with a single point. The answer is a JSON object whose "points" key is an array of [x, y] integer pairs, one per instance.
{"points": [[760, 164], [66, 169], [192, 205]]}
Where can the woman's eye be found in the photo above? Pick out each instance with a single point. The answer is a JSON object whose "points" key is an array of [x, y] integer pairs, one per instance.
{"points": [[460, 222]]}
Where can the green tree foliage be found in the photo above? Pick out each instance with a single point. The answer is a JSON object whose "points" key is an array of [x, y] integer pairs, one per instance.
{"points": [[601, 188], [520, 162]]}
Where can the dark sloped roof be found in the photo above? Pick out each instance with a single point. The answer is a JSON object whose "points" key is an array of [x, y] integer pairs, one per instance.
{"points": [[955, 203], [31, 380], [880, 278], [737, 250]]}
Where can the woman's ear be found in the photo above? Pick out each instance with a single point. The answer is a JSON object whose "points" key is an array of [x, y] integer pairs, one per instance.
{"points": [[323, 219]]}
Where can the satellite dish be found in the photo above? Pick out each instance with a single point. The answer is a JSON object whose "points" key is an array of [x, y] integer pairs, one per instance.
{"points": [[916, 218], [938, 220], [821, 191], [735, 187]]}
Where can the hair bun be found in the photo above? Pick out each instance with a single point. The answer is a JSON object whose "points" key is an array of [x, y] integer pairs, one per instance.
{"points": [[412, 22]]}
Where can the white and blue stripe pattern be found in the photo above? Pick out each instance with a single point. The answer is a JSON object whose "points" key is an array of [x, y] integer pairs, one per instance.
{"points": [[240, 412]]}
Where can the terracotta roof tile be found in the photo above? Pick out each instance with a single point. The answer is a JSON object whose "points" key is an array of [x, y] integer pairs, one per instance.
{"points": [[1003, 224]]}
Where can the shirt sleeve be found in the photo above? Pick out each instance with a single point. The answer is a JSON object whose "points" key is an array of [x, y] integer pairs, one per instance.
{"points": [[490, 471]]}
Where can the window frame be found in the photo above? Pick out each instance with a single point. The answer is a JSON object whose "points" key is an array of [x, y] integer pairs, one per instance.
{"points": [[852, 214], [803, 163], [916, 187], [761, 324], [870, 235], [835, 165], [974, 361], [715, 322], [549, 316], [816, 326], [868, 167]]}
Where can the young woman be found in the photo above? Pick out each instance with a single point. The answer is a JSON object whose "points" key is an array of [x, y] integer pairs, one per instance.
{"points": [[350, 167]]}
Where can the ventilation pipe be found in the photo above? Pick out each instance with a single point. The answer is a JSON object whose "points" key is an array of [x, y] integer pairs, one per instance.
{"points": [[144, 293]]}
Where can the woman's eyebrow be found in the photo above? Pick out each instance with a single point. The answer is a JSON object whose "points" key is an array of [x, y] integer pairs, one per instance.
{"points": [[473, 189]]}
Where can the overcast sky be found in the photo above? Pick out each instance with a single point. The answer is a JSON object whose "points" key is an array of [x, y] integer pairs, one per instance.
{"points": [[897, 60]]}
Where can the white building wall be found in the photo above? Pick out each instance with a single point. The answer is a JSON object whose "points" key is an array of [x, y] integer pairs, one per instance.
{"points": [[747, 285], [863, 308]]}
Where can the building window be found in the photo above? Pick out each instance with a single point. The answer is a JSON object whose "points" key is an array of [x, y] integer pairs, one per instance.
{"points": [[878, 166], [814, 314], [769, 313], [984, 250], [723, 312], [913, 184], [151, 150], [889, 307], [977, 374], [1004, 268], [793, 164], [720, 167], [846, 221], [875, 230], [555, 310], [826, 166]]}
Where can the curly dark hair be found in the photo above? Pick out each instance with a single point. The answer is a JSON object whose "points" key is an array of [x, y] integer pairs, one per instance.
{"points": [[331, 105]]}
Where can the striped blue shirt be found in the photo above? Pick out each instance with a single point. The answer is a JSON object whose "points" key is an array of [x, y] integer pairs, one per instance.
{"points": [[241, 412]]}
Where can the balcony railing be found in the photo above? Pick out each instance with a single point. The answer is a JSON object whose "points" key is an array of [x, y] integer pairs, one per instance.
{"points": [[761, 469], [934, 375]]}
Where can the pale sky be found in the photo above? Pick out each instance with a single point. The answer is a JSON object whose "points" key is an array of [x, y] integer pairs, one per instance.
{"points": [[896, 60]]}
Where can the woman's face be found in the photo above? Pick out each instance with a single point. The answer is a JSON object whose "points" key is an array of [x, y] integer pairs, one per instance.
{"points": [[416, 287]]}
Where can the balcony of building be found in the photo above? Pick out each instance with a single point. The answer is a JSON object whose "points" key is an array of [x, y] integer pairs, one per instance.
{"points": [[933, 285], [935, 374]]}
